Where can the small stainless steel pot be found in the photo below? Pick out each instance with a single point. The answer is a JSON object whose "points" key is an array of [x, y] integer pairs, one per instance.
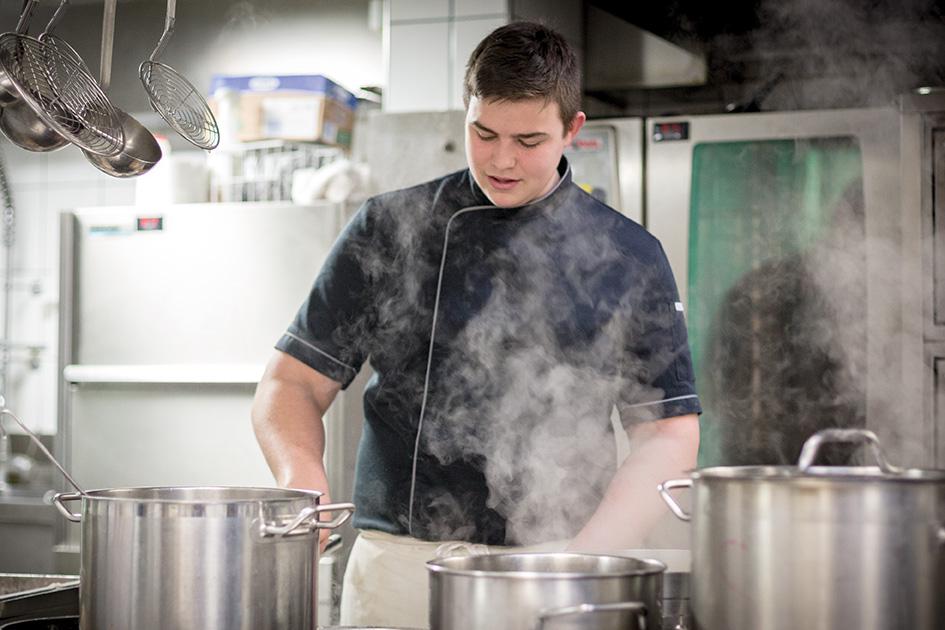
{"points": [[212, 558], [818, 548], [517, 591]]}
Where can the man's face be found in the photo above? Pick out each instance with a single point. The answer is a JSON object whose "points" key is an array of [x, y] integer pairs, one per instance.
{"points": [[513, 147]]}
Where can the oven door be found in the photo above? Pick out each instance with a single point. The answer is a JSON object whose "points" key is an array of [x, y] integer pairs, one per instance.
{"points": [[800, 269]]}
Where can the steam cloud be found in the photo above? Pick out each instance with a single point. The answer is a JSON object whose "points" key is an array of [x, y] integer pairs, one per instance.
{"points": [[813, 319], [511, 392], [856, 54]]}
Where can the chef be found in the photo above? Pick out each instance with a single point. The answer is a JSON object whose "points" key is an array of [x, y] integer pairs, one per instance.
{"points": [[506, 314]]}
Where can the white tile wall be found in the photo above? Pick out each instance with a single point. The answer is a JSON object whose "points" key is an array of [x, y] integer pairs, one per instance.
{"points": [[428, 43], [463, 8], [70, 166], [43, 184], [419, 67], [29, 246], [468, 34], [419, 9]]}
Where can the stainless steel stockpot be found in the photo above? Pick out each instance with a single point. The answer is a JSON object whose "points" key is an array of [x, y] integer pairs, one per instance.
{"points": [[214, 558], [818, 548], [523, 591]]}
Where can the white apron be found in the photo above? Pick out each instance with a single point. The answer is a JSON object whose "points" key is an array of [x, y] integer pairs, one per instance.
{"points": [[386, 581]]}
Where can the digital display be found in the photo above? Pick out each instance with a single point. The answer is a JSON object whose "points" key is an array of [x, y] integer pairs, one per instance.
{"points": [[150, 224], [668, 131]]}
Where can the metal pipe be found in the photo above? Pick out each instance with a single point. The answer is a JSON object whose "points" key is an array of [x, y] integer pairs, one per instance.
{"points": [[9, 238]]}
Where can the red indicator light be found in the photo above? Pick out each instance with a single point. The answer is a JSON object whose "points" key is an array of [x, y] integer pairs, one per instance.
{"points": [[149, 224]]}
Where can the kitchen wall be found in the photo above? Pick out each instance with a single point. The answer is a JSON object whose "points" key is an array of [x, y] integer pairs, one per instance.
{"points": [[41, 185], [429, 41]]}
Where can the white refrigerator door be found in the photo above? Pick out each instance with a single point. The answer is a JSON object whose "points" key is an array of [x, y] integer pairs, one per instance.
{"points": [[207, 284], [175, 311]]}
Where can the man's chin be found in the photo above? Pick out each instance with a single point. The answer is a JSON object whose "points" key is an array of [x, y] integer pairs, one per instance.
{"points": [[504, 199]]}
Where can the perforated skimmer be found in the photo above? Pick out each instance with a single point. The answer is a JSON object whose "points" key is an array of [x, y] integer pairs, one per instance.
{"points": [[174, 98]]}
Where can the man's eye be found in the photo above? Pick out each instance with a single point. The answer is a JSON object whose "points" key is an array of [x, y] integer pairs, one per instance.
{"points": [[529, 145], [485, 137]]}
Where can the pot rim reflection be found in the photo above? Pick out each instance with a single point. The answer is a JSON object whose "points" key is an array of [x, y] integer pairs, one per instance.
{"points": [[591, 566], [793, 473], [201, 494]]}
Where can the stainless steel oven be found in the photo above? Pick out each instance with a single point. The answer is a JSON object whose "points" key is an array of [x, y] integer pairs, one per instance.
{"points": [[923, 188], [607, 161], [797, 242]]}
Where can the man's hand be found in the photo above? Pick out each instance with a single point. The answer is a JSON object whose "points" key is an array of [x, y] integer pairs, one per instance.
{"points": [[659, 450]]}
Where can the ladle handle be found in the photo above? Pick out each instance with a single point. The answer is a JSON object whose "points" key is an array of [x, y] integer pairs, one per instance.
{"points": [[54, 20], [168, 30], [108, 43], [39, 443], [24, 22]]}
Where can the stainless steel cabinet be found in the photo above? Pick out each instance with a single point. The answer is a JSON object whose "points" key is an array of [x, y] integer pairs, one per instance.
{"points": [[27, 530]]}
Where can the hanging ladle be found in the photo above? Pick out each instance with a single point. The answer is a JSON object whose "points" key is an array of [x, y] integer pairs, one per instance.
{"points": [[6, 412], [18, 121], [141, 151]]}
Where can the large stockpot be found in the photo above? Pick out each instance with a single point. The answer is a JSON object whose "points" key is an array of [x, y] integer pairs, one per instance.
{"points": [[555, 591], [214, 558], [818, 548]]}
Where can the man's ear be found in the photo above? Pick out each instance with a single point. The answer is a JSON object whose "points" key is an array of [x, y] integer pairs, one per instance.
{"points": [[576, 123]]}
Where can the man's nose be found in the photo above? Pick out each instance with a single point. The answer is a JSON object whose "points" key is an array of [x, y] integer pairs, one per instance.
{"points": [[504, 156]]}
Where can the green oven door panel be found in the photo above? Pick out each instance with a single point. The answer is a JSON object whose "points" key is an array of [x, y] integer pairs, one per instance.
{"points": [[758, 212]]}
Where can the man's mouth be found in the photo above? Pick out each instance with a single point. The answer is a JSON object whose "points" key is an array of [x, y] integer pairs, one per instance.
{"points": [[502, 183]]}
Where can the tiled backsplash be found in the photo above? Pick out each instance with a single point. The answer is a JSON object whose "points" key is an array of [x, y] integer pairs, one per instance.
{"points": [[43, 184], [427, 45]]}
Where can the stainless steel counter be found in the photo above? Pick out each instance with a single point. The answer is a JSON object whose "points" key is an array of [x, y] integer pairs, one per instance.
{"points": [[29, 595], [20, 583]]}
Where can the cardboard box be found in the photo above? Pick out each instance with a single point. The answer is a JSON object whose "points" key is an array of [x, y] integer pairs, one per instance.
{"points": [[310, 108]]}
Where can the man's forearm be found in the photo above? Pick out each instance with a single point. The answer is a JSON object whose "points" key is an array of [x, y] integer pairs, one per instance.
{"points": [[631, 506], [291, 435], [287, 412]]}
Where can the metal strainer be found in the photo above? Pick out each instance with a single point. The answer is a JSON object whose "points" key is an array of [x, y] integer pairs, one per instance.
{"points": [[48, 38], [174, 98], [60, 92], [64, 47]]}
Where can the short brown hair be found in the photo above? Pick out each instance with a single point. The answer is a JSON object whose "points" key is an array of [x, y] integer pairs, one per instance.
{"points": [[524, 60]]}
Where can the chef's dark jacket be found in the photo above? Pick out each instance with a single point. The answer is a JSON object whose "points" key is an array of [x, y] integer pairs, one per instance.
{"points": [[543, 318]]}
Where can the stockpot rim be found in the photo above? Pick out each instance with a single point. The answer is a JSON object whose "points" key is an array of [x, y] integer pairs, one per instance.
{"points": [[817, 473], [644, 567], [255, 494]]}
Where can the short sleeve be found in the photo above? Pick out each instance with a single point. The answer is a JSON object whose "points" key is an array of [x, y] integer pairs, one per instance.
{"points": [[329, 332], [657, 364]]}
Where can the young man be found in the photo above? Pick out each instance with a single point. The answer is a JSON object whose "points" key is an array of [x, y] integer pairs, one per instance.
{"points": [[505, 313]]}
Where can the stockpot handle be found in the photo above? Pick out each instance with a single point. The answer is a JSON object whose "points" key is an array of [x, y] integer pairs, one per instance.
{"points": [[58, 500], [673, 484], [638, 608], [306, 522], [844, 436]]}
